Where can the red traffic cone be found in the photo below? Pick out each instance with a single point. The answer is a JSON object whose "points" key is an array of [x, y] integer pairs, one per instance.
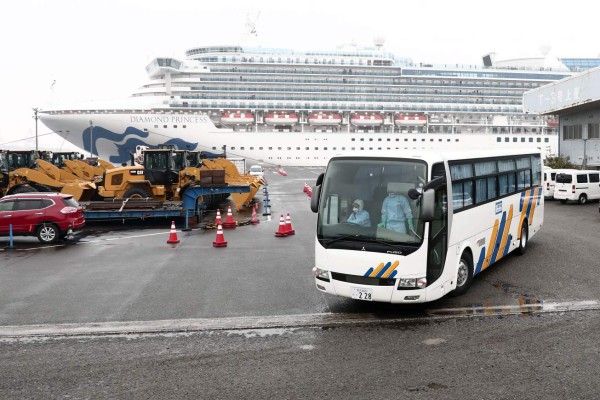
{"points": [[173, 234], [220, 240], [288, 225], [229, 222], [281, 232], [254, 220], [218, 219], [305, 187]]}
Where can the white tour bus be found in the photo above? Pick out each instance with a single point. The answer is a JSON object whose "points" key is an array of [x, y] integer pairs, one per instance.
{"points": [[387, 232], [577, 185]]}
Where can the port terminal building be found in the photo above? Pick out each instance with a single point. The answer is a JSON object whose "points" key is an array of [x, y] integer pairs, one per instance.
{"points": [[576, 101]]}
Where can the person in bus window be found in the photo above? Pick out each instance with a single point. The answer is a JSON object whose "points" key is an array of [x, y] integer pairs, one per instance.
{"points": [[396, 211], [359, 215]]}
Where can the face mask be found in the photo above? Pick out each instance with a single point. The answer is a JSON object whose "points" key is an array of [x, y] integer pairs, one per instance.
{"points": [[355, 209]]}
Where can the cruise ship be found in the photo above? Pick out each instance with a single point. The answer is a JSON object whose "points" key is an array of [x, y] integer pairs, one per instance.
{"points": [[283, 107]]}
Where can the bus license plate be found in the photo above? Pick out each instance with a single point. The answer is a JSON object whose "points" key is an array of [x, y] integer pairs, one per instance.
{"points": [[362, 294]]}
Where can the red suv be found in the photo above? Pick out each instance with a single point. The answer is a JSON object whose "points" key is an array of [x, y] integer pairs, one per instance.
{"points": [[45, 215]]}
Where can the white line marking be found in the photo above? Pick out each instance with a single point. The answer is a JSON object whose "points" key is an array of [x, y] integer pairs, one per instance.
{"points": [[185, 326]]}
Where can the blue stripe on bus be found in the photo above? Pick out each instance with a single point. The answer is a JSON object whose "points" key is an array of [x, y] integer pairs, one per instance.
{"points": [[385, 268], [368, 272], [393, 274], [529, 207], [480, 262], [499, 238], [507, 245]]}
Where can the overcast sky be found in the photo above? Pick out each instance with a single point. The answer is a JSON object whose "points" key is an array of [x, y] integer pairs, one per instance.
{"points": [[96, 50]]}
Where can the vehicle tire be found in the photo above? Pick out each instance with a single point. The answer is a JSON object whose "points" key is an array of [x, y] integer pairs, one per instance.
{"points": [[582, 198], [464, 275], [137, 193], [48, 233], [563, 202], [522, 249]]}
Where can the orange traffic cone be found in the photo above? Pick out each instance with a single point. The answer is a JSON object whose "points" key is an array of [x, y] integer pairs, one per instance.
{"points": [[218, 219], [288, 225], [281, 231], [229, 222], [254, 220], [173, 234], [220, 240]]}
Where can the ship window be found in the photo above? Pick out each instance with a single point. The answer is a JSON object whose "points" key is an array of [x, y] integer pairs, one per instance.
{"points": [[514, 139], [307, 148], [270, 148], [539, 140], [289, 148], [362, 148], [156, 126], [499, 139], [279, 148], [184, 126], [362, 139], [252, 148], [297, 148], [232, 148], [506, 139], [353, 148], [260, 148], [324, 148], [546, 140], [316, 148], [389, 140], [174, 126], [164, 126], [370, 139], [241, 148]]}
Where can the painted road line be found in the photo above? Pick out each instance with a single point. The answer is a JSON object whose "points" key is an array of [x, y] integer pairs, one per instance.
{"points": [[186, 326]]}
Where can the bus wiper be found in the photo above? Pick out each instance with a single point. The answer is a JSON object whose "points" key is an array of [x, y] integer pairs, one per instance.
{"points": [[394, 244], [342, 237]]}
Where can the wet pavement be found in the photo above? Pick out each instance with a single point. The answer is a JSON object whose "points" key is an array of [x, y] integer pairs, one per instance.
{"points": [[119, 313]]}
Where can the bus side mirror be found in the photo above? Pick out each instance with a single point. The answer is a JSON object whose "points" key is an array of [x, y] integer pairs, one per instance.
{"points": [[427, 205], [314, 198], [316, 193]]}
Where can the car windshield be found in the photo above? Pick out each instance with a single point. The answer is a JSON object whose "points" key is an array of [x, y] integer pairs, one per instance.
{"points": [[256, 169]]}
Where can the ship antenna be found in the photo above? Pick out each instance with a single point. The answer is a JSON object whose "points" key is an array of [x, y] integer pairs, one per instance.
{"points": [[250, 32]]}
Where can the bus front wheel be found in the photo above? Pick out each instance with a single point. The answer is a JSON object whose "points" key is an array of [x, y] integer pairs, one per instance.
{"points": [[523, 240], [464, 275]]}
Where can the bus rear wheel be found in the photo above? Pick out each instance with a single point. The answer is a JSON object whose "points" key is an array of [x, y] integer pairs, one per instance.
{"points": [[582, 198], [464, 275], [523, 240]]}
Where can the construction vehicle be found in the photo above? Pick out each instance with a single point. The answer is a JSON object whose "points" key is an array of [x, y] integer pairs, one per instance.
{"points": [[26, 172], [165, 175], [90, 169]]}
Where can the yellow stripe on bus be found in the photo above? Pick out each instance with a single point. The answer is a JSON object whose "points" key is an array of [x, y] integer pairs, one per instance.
{"points": [[506, 231], [376, 271], [491, 245], [526, 200], [391, 269], [533, 199]]}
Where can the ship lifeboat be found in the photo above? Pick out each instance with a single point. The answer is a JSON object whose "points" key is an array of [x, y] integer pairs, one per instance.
{"points": [[553, 123], [366, 120], [237, 117], [281, 119], [410, 120], [325, 119]]}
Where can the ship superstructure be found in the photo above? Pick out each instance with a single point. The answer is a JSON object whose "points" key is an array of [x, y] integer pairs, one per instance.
{"points": [[287, 107]]}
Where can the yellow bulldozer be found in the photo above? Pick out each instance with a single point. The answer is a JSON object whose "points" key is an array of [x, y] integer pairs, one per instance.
{"points": [[24, 171]]}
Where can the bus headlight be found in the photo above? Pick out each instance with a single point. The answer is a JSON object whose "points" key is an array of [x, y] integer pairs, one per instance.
{"points": [[321, 274], [411, 283]]}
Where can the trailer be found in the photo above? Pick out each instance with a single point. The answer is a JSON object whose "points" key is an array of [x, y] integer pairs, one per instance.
{"points": [[121, 209]]}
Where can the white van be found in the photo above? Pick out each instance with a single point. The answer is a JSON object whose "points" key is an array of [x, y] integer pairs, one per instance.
{"points": [[578, 186], [257, 170], [550, 180]]}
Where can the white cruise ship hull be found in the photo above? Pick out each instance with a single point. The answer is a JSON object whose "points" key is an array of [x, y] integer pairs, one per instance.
{"points": [[114, 136]]}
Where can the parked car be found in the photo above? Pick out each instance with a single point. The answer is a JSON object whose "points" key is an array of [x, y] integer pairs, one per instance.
{"points": [[49, 216], [257, 170]]}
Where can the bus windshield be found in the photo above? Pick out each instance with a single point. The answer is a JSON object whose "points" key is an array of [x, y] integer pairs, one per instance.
{"points": [[366, 201]]}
